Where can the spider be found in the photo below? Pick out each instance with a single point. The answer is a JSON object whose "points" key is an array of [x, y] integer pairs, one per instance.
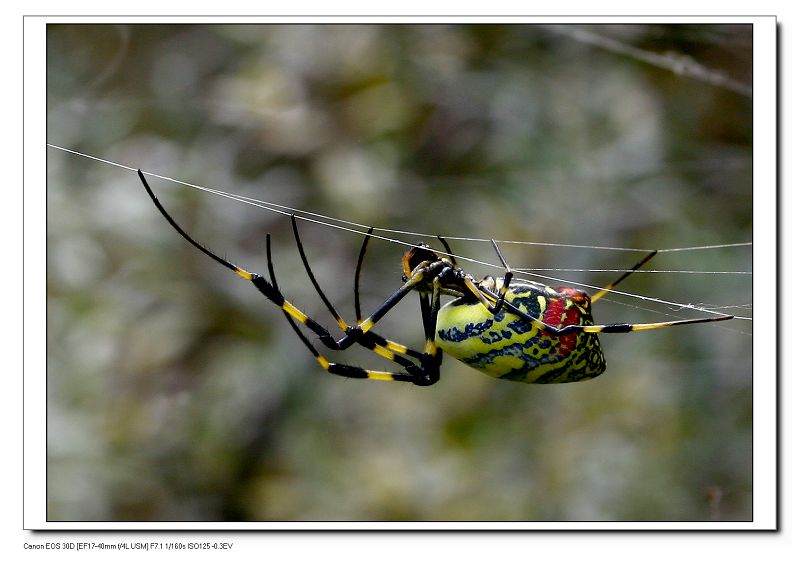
{"points": [[507, 328]]}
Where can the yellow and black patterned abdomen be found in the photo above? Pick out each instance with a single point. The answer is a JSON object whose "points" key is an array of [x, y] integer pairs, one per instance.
{"points": [[511, 348]]}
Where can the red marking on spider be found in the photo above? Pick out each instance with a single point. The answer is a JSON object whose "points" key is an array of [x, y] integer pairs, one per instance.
{"points": [[553, 317]]}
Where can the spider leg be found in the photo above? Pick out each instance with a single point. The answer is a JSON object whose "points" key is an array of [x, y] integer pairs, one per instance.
{"points": [[625, 328], [594, 328], [413, 372], [601, 293], [498, 304], [356, 333], [339, 320], [425, 374], [416, 374], [450, 253], [429, 305], [372, 341], [388, 344], [356, 292]]}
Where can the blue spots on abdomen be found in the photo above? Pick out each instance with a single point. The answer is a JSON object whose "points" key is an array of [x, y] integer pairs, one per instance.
{"points": [[470, 331]]}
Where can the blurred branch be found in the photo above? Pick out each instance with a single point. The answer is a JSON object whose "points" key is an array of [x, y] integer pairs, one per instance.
{"points": [[683, 65], [124, 35]]}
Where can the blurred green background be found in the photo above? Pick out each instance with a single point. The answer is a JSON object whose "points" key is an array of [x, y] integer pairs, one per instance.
{"points": [[177, 393]]}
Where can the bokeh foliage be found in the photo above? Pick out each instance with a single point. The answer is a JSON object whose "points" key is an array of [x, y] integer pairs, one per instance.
{"points": [[175, 392]]}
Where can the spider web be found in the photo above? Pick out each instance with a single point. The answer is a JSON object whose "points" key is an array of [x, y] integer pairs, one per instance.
{"points": [[530, 273]]}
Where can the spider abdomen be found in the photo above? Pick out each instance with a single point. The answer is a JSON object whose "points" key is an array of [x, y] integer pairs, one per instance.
{"points": [[508, 347]]}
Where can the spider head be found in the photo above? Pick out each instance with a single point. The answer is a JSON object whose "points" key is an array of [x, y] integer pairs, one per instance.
{"points": [[416, 256], [450, 276]]}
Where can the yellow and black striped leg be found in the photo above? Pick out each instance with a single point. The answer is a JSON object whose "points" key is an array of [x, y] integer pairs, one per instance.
{"points": [[625, 328], [264, 287], [372, 341], [425, 374], [354, 334], [413, 374], [603, 292], [596, 328], [362, 333], [339, 320], [431, 362], [372, 336], [416, 374]]}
